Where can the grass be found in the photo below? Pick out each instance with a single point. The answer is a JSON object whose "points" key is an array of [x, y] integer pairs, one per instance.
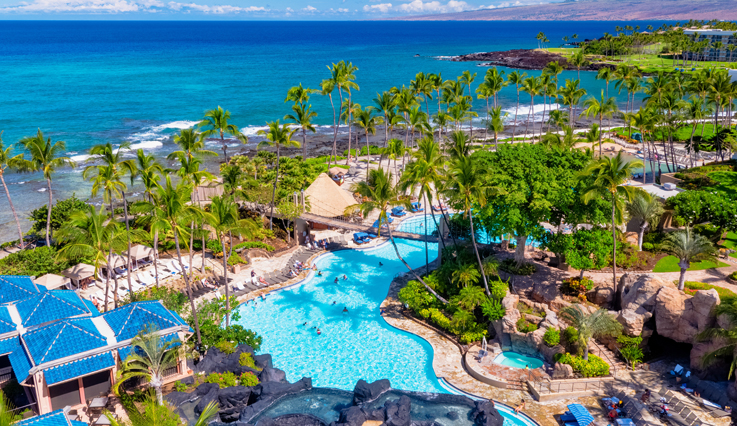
{"points": [[670, 264], [727, 183], [725, 295], [730, 242], [682, 134]]}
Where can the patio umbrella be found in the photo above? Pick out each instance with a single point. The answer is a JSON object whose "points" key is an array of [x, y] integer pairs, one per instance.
{"points": [[582, 415], [52, 281]]}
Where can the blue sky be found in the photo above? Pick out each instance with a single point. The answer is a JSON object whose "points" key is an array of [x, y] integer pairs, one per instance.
{"points": [[240, 9]]}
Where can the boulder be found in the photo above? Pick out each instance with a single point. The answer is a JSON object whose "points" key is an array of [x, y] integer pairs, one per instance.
{"points": [[484, 414], [545, 291], [528, 343], [282, 388], [269, 374], [639, 291], [559, 303], [603, 294], [232, 400], [549, 353], [292, 420], [176, 399], [509, 322], [716, 370], [632, 322], [398, 412], [352, 416], [562, 371], [210, 396], [366, 392], [681, 317]]}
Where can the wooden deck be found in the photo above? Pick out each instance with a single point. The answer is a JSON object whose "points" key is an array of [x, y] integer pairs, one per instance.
{"points": [[358, 227]]}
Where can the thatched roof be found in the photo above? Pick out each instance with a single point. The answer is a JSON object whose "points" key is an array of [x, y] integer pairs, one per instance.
{"points": [[79, 271], [326, 198], [335, 171], [52, 281]]}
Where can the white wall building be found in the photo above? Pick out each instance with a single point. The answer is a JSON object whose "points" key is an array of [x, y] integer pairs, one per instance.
{"points": [[725, 37]]}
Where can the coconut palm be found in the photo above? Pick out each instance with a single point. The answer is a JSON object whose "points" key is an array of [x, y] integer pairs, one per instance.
{"points": [[466, 275], [496, 124], [601, 108], [598, 324], [278, 135], [466, 188], [645, 209], [393, 151], [570, 95], [10, 162], [385, 104], [579, 61], [149, 170], [467, 78], [191, 143], [175, 203], [517, 79], [423, 86], [560, 142], [302, 117], [607, 74], [225, 219], [216, 123], [348, 75], [326, 88], [91, 235], [46, 157], [366, 120], [532, 87], [605, 178], [687, 246], [151, 356], [378, 193]]}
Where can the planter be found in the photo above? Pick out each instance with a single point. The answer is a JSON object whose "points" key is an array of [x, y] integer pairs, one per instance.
{"points": [[236, 269]]}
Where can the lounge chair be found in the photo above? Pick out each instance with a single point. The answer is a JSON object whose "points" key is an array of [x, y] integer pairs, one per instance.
{"points": [[358, 238], [677, 371]]}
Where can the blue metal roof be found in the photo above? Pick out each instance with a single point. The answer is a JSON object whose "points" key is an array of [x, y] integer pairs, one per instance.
{"points": [[79, 368], [20, 362], [91, 306], [127, 321], [50, 306], [9, 345], [127, 350], [6, 322], [17, 287], [63, 338], [54, 418]]}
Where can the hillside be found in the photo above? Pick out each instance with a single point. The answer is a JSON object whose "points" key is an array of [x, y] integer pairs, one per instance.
{"points": [[597, 10]]}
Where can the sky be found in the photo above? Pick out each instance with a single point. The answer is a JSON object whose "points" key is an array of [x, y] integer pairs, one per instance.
{"points": [[240, 9]]}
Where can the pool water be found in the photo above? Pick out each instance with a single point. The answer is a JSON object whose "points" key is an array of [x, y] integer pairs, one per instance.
{"points": [[516, 360], [355, 345]]}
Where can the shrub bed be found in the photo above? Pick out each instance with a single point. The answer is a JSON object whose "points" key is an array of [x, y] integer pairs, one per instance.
{"points": [[594, 367], [253, 244], [509, 265]]}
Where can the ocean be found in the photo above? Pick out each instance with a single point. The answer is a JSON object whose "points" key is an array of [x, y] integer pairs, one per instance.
{"points": [[90, 82]]}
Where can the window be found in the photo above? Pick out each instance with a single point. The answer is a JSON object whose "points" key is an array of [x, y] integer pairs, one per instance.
{"points": [[97, 384], [64, 394]]}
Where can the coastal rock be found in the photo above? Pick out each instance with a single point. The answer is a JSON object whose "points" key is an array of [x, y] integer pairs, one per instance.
{"points": [[216, 361], [352, 416], [366, 392], [528, 59], [232, 400], [272, 375], [485, 414], [562, 371], [398, 412], [292, 420], [210, 396], [681, 317]]}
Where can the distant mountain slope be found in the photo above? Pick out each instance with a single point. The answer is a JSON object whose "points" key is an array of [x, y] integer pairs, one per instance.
{"points": [[597, 10]]}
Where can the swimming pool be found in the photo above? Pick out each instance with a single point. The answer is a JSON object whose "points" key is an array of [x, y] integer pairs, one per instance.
{"points": [[355, 345], [517, 360], [416, 225]]}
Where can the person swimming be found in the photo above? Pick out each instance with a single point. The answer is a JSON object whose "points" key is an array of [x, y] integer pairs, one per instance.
{"points": [[381, 264], [305, 323], [336, 280], [319, 332], [345, 310], [333, 302], [319, 273], [345, 277]]}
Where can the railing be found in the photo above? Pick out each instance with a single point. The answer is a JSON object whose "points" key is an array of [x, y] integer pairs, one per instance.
{"points": [[5, 375], [613, 370], [568, 385], [171, 371]]}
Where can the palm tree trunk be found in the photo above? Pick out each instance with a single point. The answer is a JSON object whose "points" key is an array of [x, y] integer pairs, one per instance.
{"points": [[335, 131], [225, 281], [601, 133], [128, 236], [156, 257], [614, 250], [427, 256], [368, 156], [107, 281], [401, 259], [682, 279], [476, 251], [225, 147], [48, 216], [189, 288], [348, 121], [516, 110], [12, 208], [273, 192], [527, 124], [640, 234], [486, 128]]}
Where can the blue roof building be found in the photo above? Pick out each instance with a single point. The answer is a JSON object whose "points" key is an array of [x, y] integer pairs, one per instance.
{"points": [[54, 418], [63, 351]]}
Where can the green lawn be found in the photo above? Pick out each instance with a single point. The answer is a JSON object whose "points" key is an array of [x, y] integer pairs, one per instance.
{"points": [[730, 242], [727, 183], [682, 134], [670, 264], [726, 296]]}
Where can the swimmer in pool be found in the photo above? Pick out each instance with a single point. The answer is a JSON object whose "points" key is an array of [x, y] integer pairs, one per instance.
{"points": [[336, 280], [345, 310], [333, 302], [381, 264], [345, 277]]}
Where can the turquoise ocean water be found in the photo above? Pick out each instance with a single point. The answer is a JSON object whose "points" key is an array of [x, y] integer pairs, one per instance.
{"points": [[92, 82]]}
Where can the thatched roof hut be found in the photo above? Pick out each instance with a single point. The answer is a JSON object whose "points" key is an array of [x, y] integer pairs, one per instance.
{"points": [[326, 198]]}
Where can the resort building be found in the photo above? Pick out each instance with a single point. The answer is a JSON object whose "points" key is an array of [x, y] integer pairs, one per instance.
{"points": [[711, 53], [63, 351]]}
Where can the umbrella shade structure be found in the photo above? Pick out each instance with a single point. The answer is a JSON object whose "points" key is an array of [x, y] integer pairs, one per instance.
{"points": [[140, 251], [383, 222], [582, 415], [327, 199], [116, 261], [52, 281], [80, 273]]}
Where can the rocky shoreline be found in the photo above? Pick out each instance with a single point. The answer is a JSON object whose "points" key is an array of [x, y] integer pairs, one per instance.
{"points": [[526, 59]]}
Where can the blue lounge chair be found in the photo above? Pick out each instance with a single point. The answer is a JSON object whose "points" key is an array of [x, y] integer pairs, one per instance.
{"points": [[383, 222], [371, 236], [398, 212], [358, 238], [417, 207]]}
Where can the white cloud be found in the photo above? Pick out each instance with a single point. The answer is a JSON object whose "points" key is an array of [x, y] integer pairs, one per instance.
{"points": [[123, 6], [420, 6], [342, 10], [290, 10], [309, 9]]}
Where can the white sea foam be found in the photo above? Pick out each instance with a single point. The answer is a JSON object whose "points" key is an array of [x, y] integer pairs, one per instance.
{"points": [[80, 158], [146, 145], [42, 190], [253, 130], [182, 124]]}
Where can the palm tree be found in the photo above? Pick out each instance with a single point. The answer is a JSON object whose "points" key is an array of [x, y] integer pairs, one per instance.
{"points": [[395, 150], [571, 94], [109, 178], [599, 324], [7, 411], [385, 104], [224, 218], [278, 135], [578, 60], [532, 87], [601, 108], [157, 356], [471, 296], [303, 116], [467, 275], [92, 236], [560, 142], [10, 162], [348, 71], [517, 79], [467, 188], [327, 86], [366, 120], [45, 157], [422, 85], [216, 123], [191, 144], [378, 193], [149, 170], [177, 209], [646, 210], [609, 175], [154, 217], [687, 246], [496, 124], [467, 78]]}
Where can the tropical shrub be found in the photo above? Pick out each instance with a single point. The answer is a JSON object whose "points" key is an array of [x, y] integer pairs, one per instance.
{"points": [[224, 380], [473, 335], [493, 309], [374, 150], [594, 367], [509, 265], [180, 387], [235, 259], [630, 349], [570, 340], [733, 276], [254, 244], [60, 213], [35, 263], [648, 246], [574, 286], [551, 337], [225, 347], [524, 326], [416, 296], [726, 295], [172, 299], [248, 379], [499, 289], [245, 359], [438, 318]]}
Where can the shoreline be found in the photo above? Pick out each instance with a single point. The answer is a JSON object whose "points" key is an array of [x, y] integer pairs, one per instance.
{"points": [[526, 59]]}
